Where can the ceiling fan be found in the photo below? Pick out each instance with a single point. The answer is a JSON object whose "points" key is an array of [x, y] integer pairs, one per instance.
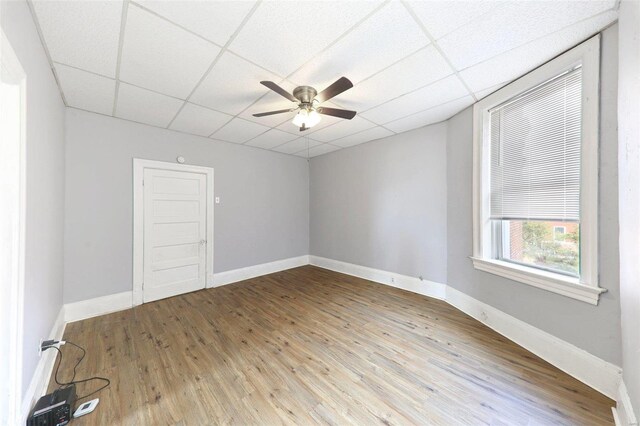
{"points": [[308, 100]]}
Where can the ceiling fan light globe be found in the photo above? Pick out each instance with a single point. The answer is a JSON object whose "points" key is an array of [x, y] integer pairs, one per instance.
{"points": [[300, 119], [313, 119], [306, 118]]}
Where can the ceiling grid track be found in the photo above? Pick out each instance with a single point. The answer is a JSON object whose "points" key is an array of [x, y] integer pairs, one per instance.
{"points": [[288, 79], [438, 48], [123, 24], [546, 35], [283, 80], [216, 59]]}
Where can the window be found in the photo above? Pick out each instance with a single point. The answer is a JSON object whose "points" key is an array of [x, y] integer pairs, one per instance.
{"points": [[535, 177], [560, 231]]}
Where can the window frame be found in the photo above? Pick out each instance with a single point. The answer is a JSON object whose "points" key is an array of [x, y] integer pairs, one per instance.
{"points": [[555, 231], [586, 287]]}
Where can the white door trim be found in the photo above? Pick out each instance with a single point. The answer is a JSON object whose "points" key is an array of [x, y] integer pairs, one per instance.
{"points": [[14, 301], [138, 218]]}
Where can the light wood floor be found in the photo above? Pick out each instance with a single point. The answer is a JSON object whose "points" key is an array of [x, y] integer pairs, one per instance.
{"points": [[309, 346]]}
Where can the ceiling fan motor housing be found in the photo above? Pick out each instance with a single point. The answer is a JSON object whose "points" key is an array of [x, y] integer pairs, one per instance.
{"points": [[305, 94]]}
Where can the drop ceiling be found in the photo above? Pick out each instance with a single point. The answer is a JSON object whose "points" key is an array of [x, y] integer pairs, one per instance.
{"points": [[195, 66]]}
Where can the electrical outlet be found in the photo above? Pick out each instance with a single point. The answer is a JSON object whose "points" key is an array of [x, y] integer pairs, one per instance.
{"points": [[393, 280], [420, 278]]}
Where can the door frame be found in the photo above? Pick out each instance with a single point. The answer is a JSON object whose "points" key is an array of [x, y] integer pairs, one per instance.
{"points": [[15, 301], [139, 165]]}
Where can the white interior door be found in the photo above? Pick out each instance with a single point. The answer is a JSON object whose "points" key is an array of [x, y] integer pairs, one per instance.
{"points": [[175, 232]]}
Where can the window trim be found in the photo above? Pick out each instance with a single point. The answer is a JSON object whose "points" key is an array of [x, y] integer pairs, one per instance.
{"points": [[586, 287]]}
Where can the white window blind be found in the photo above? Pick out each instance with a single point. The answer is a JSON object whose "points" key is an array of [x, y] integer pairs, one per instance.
{"points": [[535, 152]]}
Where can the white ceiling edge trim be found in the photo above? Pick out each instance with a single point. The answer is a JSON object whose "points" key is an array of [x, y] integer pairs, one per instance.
{"points": [[32, 10]]}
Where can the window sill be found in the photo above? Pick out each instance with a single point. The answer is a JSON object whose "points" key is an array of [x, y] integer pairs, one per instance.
{"points": [[556, 283]]}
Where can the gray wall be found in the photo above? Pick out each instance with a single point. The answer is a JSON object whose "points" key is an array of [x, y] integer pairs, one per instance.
{"points": [[593, 328], [383, 204], [45, 184], [629, 169], [263, 215]]}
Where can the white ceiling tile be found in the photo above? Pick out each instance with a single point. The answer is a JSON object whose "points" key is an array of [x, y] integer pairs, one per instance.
{"points": [[82, 34], [213, 20], [343, 128], [232, 85], [442, 17], [419, 69], [271, 139], [513, 24], [296, 145], [517, 62], [283, 35], [388, 36], [430, 116], [145, 106], [239, 131], [362, 137], [199, 120], [160, 56], [324, 148], [438, 93], [491, 42], [85, 90]]}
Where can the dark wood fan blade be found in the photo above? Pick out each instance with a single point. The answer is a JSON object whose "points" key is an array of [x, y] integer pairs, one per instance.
{"points": [[280, 111], [279, 90], [341, 113], [339, 86]]}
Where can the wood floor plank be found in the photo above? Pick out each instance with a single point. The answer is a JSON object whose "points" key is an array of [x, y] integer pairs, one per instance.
{"points": [[312, 346]]}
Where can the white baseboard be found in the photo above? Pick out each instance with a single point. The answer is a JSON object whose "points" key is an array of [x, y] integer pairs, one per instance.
{"points": [[40, 379], [578, 363], [84, 309], [623, 413], [405, 282], [589, 369], [235, 275]]}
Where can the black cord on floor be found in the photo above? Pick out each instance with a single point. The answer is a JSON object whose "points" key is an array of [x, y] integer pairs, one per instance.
{"points": [[73, 378]]}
